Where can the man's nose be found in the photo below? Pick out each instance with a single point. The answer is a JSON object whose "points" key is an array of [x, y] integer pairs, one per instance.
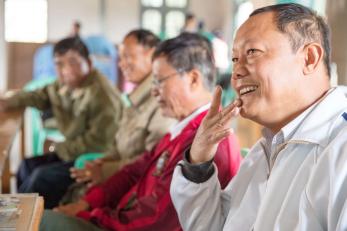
{"points": [[239, 71], [66, 71]]}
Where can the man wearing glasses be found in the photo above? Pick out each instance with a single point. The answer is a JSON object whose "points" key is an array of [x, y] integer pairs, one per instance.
{"points": [[137, 197]]}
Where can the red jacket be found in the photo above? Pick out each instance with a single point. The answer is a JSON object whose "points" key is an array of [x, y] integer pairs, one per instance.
{"points": [[138, 196]]}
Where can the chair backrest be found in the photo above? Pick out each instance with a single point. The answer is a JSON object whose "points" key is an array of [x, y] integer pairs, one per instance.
{"points": [[43, 65], [104, 56]]}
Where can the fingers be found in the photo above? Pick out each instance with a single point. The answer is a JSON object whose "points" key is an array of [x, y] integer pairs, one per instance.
{"points": [[73, 172], [227, 113], [80, 175], [216, 102], [84, 178], [220, 135]]}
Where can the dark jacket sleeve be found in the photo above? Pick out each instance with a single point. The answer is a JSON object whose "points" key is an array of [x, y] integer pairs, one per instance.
{"points": [[227, 160]]}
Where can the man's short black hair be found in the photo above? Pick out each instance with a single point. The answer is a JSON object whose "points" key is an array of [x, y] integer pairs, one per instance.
{"points": [[144, 37], [190, 51], [301, 25], [71, 43]]}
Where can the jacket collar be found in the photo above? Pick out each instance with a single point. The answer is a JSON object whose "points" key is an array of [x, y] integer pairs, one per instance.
{"points": [[141, 92], [322, 117], [178, 128]]}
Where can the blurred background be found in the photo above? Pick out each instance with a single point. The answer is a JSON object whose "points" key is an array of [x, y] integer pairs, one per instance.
{"points": [[28, 28]]}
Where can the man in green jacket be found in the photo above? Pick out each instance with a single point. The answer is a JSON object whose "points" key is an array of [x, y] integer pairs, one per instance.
{"points": [[87, 109]]}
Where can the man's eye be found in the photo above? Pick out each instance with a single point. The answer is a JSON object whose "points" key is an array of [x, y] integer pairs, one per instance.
{"points": [[234, 60], [251, 51]]}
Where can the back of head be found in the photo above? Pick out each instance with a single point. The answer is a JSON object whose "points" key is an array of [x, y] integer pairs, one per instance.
{"points": [[190, 51], [189, 16], [144, 37], [71, 43], [301, 25]]}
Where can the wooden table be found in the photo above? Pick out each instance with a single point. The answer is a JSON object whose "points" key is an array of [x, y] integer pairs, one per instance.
{"points": [[32, 207], [10, 124]]}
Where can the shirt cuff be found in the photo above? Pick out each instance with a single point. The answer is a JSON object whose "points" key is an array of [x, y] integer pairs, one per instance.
{"points": [[197, 173]]}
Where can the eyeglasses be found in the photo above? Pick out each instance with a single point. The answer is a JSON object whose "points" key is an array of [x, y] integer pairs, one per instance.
{"points": [[157, 82]]}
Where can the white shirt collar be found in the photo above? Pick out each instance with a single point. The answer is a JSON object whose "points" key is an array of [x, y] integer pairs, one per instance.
{"points": [[176, 129], [287, 132]]}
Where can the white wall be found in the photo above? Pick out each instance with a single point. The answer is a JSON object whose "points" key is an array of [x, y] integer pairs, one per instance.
{"points": [[3, 53], [120, 17], [218, 14], [212, 12], [62, 13], [337, 16]]}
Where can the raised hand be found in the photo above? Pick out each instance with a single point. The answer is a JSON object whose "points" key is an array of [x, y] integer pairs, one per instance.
{"points": [[214, 127]]}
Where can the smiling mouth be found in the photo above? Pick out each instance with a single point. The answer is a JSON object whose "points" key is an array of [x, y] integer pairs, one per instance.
{"points": [[247, 89]]}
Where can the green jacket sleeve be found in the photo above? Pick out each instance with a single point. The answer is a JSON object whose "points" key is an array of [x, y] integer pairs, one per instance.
{"points": [[38, 98]]}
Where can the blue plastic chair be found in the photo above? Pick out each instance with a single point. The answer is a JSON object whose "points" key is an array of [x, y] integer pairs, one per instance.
{"points": [[104, 56], [43, 66]]}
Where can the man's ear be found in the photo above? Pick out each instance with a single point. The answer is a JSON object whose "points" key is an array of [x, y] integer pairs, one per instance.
{"points": [[195, 78], [149, 51], [313, 56], [90, 62]]}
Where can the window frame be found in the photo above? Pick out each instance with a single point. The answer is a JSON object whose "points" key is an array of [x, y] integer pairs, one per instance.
{"points": [[163, 10]]}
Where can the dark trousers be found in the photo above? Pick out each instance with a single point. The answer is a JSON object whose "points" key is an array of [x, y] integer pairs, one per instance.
{"points": [[47, 175]]}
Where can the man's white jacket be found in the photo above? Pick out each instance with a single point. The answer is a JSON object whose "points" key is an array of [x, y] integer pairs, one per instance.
{"points": [[300, 186]]}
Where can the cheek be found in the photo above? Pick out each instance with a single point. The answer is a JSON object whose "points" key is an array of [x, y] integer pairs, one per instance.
{"points": [[84, 68]]}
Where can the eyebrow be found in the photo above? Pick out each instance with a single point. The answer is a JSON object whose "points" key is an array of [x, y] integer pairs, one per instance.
{"points": [[243, 44]]}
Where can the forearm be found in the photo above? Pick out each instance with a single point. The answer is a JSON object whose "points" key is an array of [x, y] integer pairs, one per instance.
{"points": [[38, 99]]}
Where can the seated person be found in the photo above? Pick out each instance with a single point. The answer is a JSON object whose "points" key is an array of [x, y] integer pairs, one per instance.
{"points": [[295, 177], [142, 124], [137, 197], [87, 110]]}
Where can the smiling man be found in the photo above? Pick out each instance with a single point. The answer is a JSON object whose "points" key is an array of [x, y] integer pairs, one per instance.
{"points": [[295, 177], [137, 197], [87, 109]]}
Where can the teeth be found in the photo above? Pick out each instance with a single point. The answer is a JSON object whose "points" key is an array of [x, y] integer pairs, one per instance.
{"points": [[247, 89]]}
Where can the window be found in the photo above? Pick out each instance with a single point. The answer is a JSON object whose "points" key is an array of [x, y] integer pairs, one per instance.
{"points": [[174, 21], [26, 20], [151, 20], [163, 17]]}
